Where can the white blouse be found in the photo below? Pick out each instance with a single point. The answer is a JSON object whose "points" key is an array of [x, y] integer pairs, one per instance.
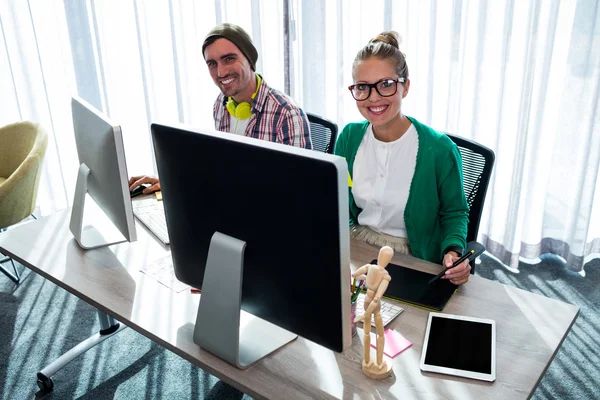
{"points": [[381, 177]]}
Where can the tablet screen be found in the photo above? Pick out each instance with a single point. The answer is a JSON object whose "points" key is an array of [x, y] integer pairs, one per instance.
{"points": [[460, 346]]}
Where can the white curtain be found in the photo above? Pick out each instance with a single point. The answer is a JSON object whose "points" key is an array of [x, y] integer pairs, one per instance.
{"points": [[521, 77], [138, 61]]}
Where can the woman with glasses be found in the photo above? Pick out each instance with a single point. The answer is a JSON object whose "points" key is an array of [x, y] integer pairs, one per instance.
{"points": [[405, 181]]}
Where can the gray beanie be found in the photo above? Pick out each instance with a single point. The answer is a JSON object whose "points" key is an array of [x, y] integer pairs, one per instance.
{"points": [[237, 36]]}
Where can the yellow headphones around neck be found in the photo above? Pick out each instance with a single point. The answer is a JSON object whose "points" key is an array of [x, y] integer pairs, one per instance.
{"points": [[242, 110]]}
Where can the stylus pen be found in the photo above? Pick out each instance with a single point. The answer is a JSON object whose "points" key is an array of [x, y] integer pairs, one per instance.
{"points": [[456, 263]]}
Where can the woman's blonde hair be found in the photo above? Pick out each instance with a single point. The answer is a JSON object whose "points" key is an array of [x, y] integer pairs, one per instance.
{"points": [[385, 46]]}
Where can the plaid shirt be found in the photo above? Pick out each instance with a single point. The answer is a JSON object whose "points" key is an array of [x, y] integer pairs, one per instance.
{"points": [[275, 117]]}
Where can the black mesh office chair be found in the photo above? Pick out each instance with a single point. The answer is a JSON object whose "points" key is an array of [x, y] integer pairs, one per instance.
{"points": [[478, 162], [323, 133]]}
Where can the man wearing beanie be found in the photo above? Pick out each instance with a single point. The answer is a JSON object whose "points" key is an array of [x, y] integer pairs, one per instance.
{"points": [[247, 105]]}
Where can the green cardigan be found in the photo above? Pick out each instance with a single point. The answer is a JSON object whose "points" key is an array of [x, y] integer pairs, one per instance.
{"points": [[436, 214]]}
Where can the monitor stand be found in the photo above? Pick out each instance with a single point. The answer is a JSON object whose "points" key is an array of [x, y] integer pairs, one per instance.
{"points": [[218, 327], [88, 237]]}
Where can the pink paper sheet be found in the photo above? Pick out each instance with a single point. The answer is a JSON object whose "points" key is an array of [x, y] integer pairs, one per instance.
{"points": [[395, 343]]}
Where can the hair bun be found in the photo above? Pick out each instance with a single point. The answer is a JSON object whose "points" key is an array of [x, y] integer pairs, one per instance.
{"points": [[390, 37]]}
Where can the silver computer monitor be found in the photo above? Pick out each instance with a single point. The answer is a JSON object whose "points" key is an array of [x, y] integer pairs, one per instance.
{"points": [[259, 227], [103, 175]]}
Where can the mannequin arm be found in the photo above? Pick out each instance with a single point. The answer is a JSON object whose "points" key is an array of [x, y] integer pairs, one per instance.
{"points": [[382, 287], [360, 273]]}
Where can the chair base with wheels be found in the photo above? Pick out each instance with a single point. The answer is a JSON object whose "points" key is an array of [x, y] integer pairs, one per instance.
{"points": [[16, 277]]}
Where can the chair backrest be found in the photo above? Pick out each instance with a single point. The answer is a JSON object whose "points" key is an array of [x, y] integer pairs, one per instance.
{"points": [[23, 146], [16, 142], [322, 133], [477, 164]]}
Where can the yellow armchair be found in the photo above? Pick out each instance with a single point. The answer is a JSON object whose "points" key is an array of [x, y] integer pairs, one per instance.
{"points": [[22, 149]]}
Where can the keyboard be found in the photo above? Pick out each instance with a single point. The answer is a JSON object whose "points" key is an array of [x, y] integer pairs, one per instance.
{"points": [[151, 213], [389, 310]]}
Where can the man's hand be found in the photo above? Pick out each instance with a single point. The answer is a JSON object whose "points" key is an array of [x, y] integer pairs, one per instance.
{"points": [[136, 181], [459, 274]]}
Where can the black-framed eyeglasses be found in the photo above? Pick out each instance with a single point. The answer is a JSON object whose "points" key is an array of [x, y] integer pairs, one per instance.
{"points": [[385, 88]]}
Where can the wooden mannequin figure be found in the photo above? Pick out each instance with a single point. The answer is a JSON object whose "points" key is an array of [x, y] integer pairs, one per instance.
{"points": [[376, 281]]}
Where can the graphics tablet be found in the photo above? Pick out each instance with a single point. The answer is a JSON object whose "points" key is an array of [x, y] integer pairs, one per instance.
{"points": [[461, 346], [412, 286]]}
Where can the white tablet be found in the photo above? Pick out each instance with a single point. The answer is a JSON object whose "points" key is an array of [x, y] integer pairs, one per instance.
{"points": [[461, 346]]}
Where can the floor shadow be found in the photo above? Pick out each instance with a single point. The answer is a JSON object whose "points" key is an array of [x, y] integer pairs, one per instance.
{"points": [[108, 388], [8, 315], [223, 391], [579, 355]]}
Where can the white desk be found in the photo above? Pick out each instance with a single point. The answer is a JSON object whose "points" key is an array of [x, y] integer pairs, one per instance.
{"points": [[530, 328]]}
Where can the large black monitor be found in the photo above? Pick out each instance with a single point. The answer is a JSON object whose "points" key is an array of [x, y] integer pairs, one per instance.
{"points": [[269, 219]]}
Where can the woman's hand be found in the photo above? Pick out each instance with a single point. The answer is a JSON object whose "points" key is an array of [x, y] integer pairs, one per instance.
{"points": [[459, 274]]}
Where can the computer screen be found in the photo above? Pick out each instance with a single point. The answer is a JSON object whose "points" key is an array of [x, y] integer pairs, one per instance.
{"points": [[289, 206], [103, 174]]}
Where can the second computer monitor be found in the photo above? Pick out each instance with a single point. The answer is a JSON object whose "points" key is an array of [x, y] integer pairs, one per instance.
{"points": [[103, 175], [288, 205]]}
